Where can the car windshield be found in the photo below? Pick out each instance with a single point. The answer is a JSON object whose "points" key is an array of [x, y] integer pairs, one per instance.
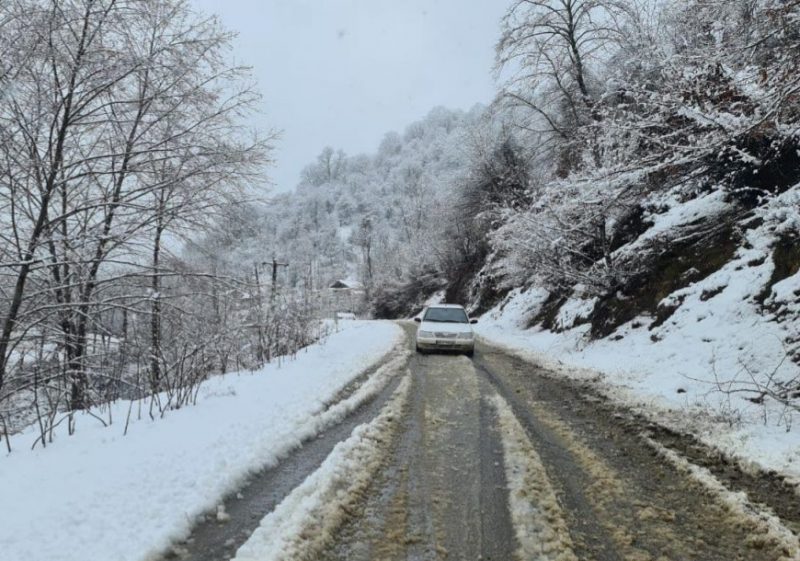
{"points": [[449, 315]]}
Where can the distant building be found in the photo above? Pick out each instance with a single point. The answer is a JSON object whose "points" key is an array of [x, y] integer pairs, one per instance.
{"points": [[347, 285], [344, 295]]}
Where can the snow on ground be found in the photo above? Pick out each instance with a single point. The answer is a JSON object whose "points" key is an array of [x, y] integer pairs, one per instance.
{"points": [[436, 298], [101, 495], [672, 377], [680, 213], [717, 337], [304, 523]]}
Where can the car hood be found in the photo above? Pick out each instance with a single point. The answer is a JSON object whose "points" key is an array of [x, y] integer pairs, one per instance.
{"points": [[443, 327]]}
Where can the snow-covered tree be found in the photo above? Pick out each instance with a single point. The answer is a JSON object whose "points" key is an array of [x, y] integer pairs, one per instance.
{"points": [[120, 122]]}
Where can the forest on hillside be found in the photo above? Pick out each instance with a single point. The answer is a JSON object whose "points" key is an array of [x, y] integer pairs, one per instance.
{"points": [[608, 114], [640, 163], [633, 148]]}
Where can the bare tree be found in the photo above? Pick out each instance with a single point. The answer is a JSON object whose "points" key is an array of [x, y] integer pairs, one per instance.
{"points": [[546, 54], [125, 122], [328, 167], [37, 121]]}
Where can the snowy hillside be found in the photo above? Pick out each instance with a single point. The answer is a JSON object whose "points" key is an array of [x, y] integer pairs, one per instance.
{"points": [[720, 346], [377, 218], [660, 241]]}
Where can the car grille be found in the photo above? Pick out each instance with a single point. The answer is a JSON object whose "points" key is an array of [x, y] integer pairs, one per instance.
{"points": [[442, 335]]}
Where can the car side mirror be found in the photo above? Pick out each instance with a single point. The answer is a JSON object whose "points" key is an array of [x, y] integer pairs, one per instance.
{"points": [[418, 320], [473, 321]]}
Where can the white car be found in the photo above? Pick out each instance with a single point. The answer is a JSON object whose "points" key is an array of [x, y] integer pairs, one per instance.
{"points": [[445, 327]]}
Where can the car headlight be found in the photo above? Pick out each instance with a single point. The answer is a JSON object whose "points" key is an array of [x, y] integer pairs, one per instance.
{"points": [[427, 334], [465, 335]]}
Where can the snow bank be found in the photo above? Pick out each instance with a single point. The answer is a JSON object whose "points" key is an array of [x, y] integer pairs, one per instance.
{"points": [[306, 520], [99, 495]]}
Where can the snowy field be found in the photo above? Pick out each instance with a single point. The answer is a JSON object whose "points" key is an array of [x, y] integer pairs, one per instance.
{"points": [[99, 495]]}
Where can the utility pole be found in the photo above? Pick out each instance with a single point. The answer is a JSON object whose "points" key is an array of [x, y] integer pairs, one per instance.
{"points": [[262, 345], [258, 283], [275, 265]]}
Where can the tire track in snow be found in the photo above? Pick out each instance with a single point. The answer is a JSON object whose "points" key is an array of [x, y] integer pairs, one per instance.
{"points": [[441, 495], [541, 531], [304, 523], [769, 531], [620, 499], [370, 388]]}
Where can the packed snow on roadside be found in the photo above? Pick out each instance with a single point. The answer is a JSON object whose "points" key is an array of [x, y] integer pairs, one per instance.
{"points": [[717, 337], [101, 495], [305, 522]]}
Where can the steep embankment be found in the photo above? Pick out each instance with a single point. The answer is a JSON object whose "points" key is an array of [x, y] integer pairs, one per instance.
{"points": [[705, 335]]}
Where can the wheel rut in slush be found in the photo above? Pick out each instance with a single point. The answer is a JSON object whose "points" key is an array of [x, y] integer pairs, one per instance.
{"points": [[442, 494], [621, 499]]}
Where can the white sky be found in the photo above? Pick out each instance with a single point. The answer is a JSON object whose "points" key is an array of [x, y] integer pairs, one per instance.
{"points": [[344, 72]]}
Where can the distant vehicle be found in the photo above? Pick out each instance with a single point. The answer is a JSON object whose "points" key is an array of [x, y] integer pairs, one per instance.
{"points": [[345, 315], [445, 327]]}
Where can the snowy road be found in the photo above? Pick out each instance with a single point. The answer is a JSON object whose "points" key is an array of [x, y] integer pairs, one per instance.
{"points": [[624, 487], [442, 491], [492, 458]]}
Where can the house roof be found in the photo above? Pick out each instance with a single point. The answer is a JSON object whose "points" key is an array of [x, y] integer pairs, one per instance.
{"points": [[346, 284]]}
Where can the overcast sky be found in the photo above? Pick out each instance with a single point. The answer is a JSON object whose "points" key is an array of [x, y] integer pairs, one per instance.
{"points": [[344, 72]]}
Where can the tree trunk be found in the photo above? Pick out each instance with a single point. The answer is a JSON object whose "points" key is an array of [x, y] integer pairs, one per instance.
{"points": [[155, 314]]}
